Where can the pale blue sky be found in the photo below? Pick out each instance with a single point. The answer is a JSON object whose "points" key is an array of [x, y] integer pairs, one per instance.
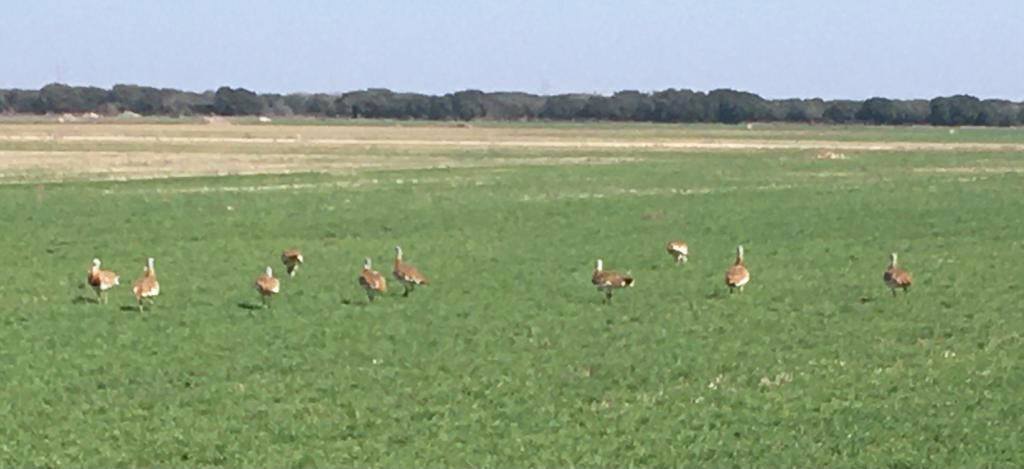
{"points": [[799, 48]]}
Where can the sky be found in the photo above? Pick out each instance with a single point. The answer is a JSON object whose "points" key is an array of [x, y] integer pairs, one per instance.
{"points": [[800, 48]]}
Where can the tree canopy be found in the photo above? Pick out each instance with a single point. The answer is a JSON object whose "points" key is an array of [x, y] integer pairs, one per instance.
{"points": [[670, 105]]}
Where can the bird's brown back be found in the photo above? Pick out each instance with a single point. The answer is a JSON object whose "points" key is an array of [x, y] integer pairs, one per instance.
{"points": [[373, 280], [736, 274], [607, 278], [102, 278], [146, 284], [897, 277], [291, 256], [407, 273], [676, 247], [267, 285]]}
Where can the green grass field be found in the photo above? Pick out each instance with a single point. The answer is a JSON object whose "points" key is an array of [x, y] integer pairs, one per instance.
{"points": [[510, 359]]}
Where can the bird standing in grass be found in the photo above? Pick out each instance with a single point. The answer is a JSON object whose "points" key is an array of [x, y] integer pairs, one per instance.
{"points": [[372, 281], [607, 281], [405, 273], [678, 250], [896, 277], [267, 286], [101, 281], [292, 259], [146, 287], [737, 276]]}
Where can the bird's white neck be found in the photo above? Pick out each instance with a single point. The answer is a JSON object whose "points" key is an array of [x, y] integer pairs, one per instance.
{"points": [[600, 265], [270, 272]]}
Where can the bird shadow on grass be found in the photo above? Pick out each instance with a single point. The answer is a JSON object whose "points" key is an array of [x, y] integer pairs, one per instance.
{"points": [[357, 301], [717, 295], [132, 308], [250, 306], [81, 300]]}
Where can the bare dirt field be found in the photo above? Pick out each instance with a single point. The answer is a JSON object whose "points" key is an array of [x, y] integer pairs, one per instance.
{"points": [[139, 151]]}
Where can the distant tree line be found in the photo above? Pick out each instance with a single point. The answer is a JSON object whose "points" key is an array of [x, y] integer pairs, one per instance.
{"points": [[671, 105]]}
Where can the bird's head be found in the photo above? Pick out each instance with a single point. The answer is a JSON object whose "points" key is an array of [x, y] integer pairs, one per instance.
{"points": [[398, 252], [96, 263], [270, 272], [367, 263], [892, 259], [599, 265]]}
